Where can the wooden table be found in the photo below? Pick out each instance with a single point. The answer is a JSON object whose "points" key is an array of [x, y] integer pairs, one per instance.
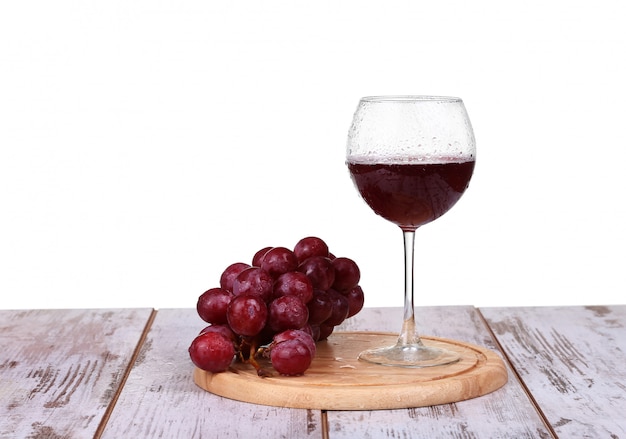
{"points": [[113, 373]]}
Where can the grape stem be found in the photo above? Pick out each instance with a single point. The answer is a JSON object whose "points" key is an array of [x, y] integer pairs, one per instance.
{"points": [[251, 359]]}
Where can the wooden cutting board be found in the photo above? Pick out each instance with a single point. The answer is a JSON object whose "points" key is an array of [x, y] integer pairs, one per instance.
{"points": [[337, 380]]}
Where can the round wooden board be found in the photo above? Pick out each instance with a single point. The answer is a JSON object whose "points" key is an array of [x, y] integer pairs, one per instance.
{"points": [[337, 380]]}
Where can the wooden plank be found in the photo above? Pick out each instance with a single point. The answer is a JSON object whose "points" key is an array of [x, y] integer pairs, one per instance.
{"points": [[60, 369], [505, 413], [160, 399], [573, 361]]}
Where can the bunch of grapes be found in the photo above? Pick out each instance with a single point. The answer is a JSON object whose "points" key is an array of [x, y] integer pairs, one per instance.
{"points": [[276, 308]]}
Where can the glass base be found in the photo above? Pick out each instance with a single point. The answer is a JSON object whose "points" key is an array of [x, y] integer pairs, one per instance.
{"points": [[413, 355]]}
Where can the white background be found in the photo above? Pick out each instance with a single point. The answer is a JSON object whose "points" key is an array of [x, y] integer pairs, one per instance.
{"points": [[145, 145]]}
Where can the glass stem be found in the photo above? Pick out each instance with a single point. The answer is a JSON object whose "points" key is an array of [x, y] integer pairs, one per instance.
{"points": [[408, 335]]}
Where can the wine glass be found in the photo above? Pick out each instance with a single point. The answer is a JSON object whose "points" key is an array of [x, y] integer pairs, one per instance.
{"points": [[411, 158]]}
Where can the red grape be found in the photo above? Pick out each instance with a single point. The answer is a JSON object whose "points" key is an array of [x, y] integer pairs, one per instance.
{"points": [[320, 307], [230, 273], [340, 308], [294, 283], [222, 329], [279, 260], [320, 270], [315, 332], [254, 281], [212, 351], [247, 315], [325, 331], [306, 328], [347, 274], [356, 299], [258, 256], [287, 312], [298, 334], [212, 305], [291, 357], [310, 246]]}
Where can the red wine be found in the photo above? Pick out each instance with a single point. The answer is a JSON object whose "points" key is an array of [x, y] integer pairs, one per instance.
{"points": [[411, 194]]}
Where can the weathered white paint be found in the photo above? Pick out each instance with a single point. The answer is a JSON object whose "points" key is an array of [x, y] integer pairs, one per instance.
{"points": [[61, 373], [505, 413], [60, 369], [160, 399], [573, 361]]}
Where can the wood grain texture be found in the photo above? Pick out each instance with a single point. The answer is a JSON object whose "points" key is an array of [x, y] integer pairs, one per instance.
{"points": [[505, 413], [337, 380], [573, 360], [160, 399], [60, 369], [61, 372]]}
